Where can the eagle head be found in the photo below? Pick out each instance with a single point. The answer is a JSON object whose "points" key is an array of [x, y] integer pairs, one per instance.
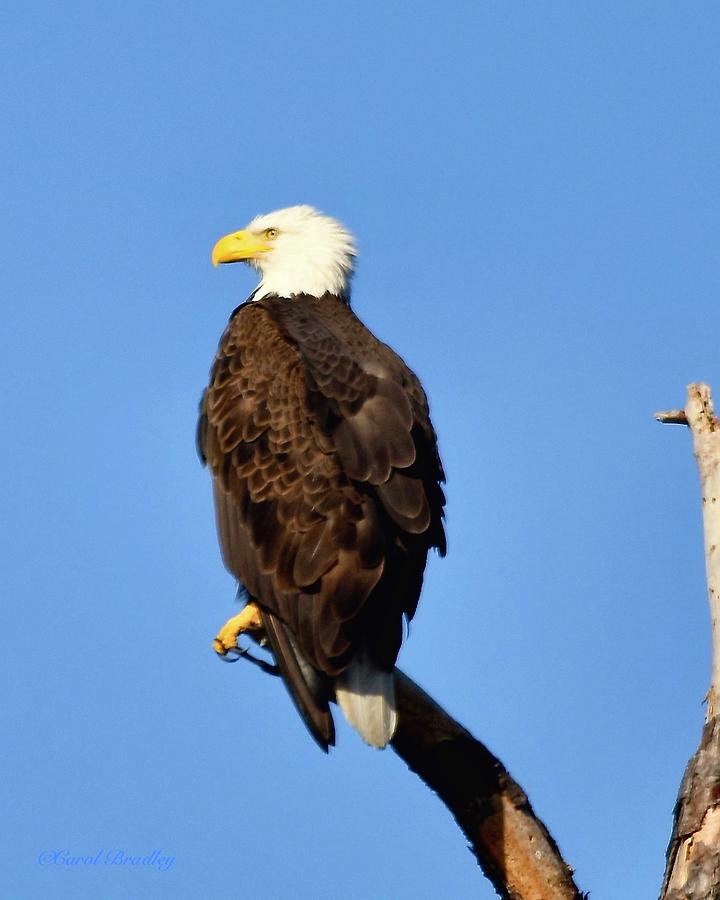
{"points": [[297, 250]]}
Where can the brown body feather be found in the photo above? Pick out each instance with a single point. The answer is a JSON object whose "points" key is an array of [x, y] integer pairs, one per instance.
{"points": [[326, 477]]}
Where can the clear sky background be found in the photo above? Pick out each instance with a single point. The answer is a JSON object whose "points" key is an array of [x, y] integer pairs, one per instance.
{"points": [[534, 188]]}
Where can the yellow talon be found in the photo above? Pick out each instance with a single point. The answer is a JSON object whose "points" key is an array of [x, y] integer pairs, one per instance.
{"points": [[249, 619]]}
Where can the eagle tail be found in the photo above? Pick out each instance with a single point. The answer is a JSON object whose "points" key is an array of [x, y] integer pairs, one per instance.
{"points": [[307, 687], [366, 695]]}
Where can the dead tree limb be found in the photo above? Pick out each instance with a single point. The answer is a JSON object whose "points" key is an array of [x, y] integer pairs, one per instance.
{"points": [[513, 847], [693, 855]]}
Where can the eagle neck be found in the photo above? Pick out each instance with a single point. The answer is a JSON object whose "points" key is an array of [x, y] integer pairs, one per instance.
{"points": [[299, 296]]}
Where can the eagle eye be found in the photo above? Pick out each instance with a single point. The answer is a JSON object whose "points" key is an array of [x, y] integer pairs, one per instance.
{"points": [[271, 233]]}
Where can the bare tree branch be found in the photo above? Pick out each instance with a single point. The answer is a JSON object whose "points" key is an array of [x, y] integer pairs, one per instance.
{"points": [[672, 417], [693, 860], [513, 847]]}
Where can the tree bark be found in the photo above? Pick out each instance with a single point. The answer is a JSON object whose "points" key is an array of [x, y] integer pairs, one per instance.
{"points": [[693, 856], [513, 847]]}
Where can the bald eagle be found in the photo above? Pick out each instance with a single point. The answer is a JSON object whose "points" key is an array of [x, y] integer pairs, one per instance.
{"points": [[325, 471]]}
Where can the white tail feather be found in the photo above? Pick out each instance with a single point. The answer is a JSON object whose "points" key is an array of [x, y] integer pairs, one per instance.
{"points": [[366, 696]]}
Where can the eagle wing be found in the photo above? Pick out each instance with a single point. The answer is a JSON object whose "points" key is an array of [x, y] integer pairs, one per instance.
{"points": [[326, 476]]}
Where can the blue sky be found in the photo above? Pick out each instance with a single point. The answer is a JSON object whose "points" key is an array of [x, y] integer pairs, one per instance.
{"points": [[534, 188]]}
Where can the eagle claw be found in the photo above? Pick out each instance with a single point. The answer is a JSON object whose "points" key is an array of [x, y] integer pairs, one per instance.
{"points": [[248, 619], [235, 653]]}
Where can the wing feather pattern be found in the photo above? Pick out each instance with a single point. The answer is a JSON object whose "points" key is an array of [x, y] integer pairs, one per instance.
{"points": [[327, 486]]}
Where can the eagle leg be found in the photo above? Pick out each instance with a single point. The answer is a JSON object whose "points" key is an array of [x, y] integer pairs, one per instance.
{"points": [[249, 619]]}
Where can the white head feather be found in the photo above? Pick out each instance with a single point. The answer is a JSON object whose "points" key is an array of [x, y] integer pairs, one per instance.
{"points": [[310, 253]]}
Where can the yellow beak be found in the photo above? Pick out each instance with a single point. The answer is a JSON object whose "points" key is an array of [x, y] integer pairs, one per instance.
{"points": [[238, 246]]}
